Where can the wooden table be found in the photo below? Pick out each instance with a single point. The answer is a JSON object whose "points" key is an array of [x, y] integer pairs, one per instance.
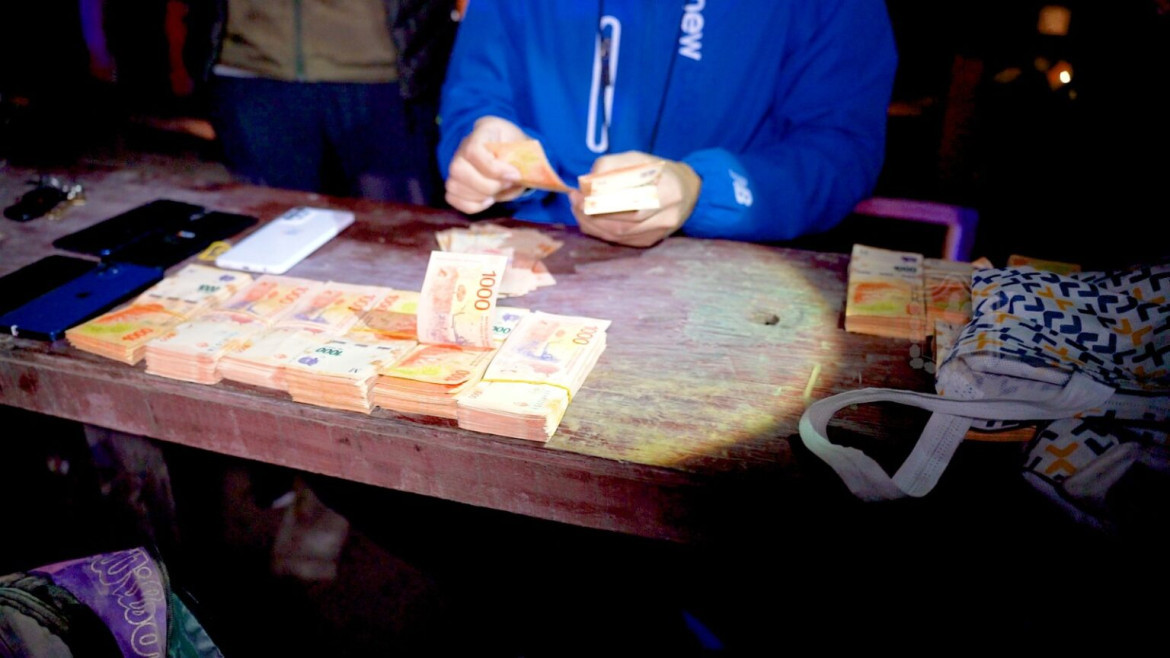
{"points": [[686, 427]]}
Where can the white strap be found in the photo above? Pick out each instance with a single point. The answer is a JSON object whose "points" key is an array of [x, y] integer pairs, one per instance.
{"points": [[929, 458], [940, 437]]}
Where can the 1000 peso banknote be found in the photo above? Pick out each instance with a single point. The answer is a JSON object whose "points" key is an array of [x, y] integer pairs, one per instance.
{"points": [[458, 299]]}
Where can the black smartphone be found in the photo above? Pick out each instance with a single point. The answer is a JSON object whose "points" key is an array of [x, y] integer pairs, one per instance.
{"points": [[35, 279], [48, 316], [182, 240], [122, 230]]}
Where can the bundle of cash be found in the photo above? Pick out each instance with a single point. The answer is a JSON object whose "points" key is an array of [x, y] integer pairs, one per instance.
{"points": [[459, 329], [191, 350], [886, 293], [259, 359], [319, 312], [393, 317], [524, 248], [948, 290], [123, 333], [532, 379], [339, 373], [1059, 267], [429, 377], [634, 187]]}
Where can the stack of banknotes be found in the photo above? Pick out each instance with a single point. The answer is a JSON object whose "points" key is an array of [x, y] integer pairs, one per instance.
{"points": [[317, 311], [193, 350], [122, 334], [529, 384], [623, 189], [886, 293], [361, 347], [634, 187], [430, 376], [948, 301], [948, 294], [902, 294], [340, 373], [524, 248], [456, 334]]}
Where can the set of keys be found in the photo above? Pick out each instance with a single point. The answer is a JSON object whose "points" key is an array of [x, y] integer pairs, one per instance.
{"points": [[49, 198]]}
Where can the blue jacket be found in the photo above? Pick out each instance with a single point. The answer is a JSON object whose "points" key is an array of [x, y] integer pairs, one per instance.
{"points": [[778, 105]]}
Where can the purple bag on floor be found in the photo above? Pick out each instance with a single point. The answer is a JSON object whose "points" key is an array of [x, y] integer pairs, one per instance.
{"points": [[126, 591], [60, 609]]}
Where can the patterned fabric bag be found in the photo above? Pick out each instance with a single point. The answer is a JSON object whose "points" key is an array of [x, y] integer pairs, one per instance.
{"points": [[1089, 352], [112, 604]]}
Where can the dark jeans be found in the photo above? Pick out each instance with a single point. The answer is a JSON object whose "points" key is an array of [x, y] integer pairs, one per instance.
{"points": [[343, 139]]}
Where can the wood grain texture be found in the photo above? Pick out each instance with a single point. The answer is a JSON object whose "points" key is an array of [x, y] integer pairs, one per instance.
{"points": [[693, 407]]}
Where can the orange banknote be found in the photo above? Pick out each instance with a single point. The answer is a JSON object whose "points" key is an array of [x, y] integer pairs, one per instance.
{"points": [[527, 156]]}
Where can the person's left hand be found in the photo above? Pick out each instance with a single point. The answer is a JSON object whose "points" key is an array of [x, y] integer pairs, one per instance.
{"points": [[678, 190]]}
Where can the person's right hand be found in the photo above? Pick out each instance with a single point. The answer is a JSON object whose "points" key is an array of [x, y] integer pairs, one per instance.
{"points": [[477, 179]]}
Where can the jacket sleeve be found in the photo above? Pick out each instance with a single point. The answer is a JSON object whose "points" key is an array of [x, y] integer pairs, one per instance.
{"points": [[827, 143], [479, 77]]}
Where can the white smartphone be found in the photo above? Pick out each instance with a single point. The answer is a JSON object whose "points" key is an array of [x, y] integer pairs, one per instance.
{"points": [[285, 241]]}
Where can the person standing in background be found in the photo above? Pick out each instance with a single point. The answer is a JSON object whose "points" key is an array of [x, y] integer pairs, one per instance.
{"points": [[333, 96], [338, 97]]}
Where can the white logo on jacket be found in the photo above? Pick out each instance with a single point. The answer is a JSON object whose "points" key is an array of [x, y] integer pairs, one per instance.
{"points": [[691, 41], [743, 193]]}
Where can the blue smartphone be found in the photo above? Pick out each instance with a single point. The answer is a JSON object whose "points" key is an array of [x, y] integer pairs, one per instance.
{"points": [[21, 286], [73, 302]]}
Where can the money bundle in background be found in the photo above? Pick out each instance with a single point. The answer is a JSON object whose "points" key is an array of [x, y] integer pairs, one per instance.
{"points": [[885, 289], [886, 293], [948, 302], [948, 290], [1059, 267]]}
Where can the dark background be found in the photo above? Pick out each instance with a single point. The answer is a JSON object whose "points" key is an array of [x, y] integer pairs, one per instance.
{"points": [[1074, 173]]}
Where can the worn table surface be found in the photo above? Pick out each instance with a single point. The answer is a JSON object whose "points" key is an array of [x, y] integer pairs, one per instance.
{"points": [[690, 415]]}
